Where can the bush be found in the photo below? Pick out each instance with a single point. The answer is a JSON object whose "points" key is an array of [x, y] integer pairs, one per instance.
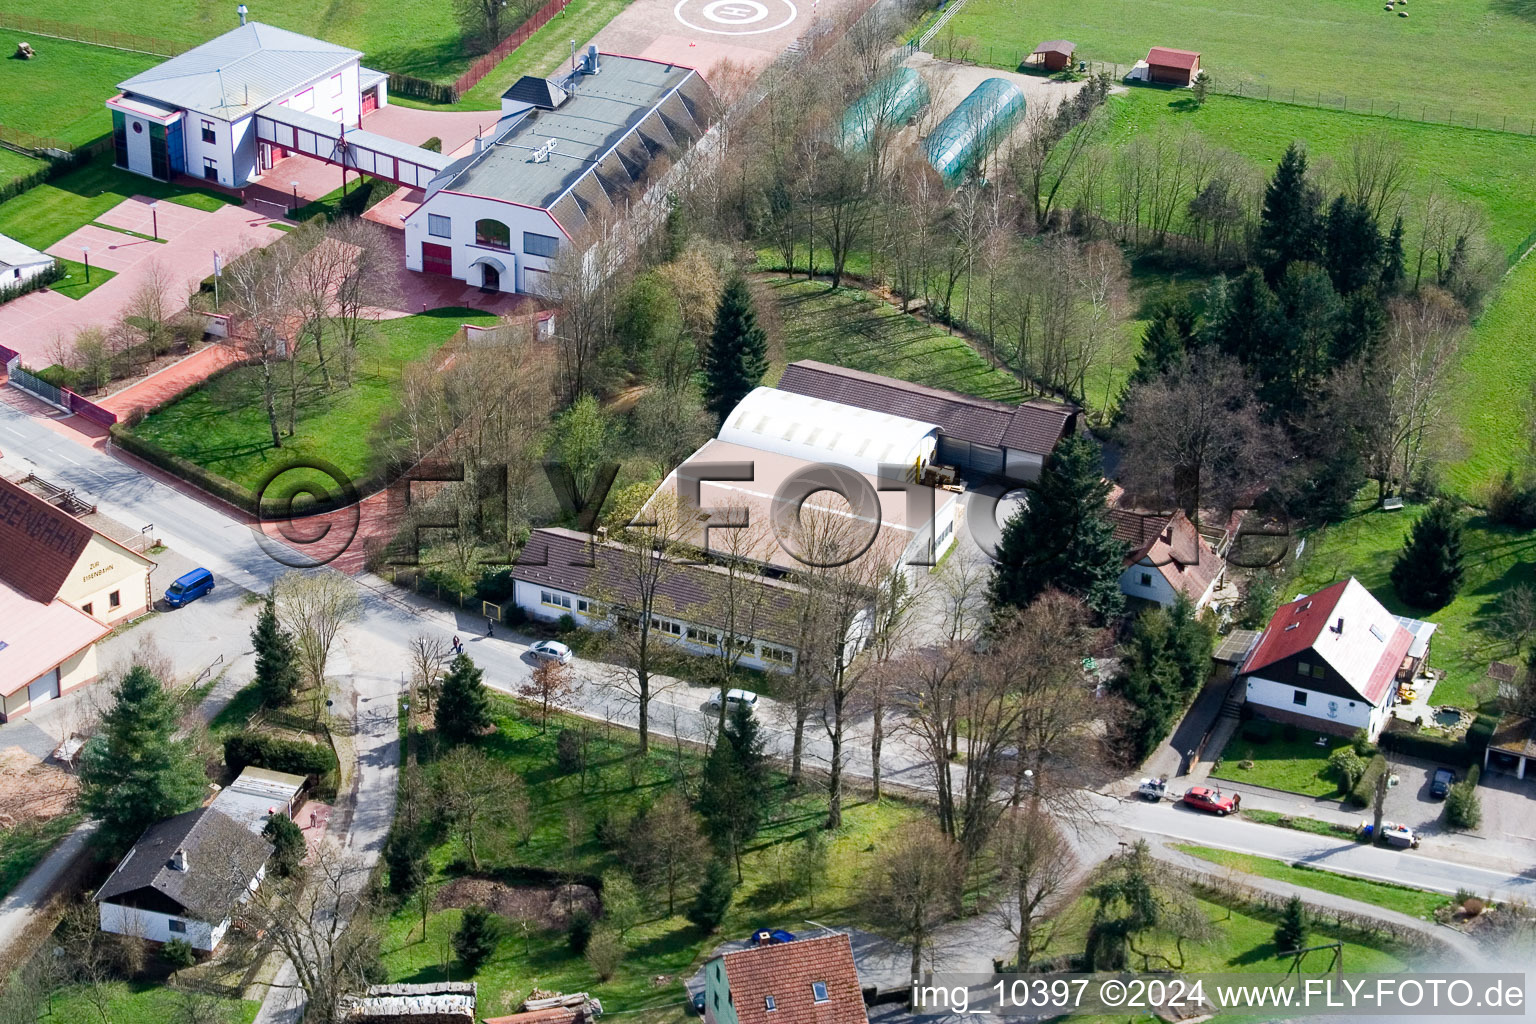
{"points": [[1363, 792], [568, 751], [1406, 739], [1259, 730], [567, 624], [1478, 735], [178, 954], [405, 854], [288, 847], [1511, 504], [1472, 906], [1361, 742], [476, 939], [54, 273], [605, 952], [1346, 768], [276, 754], [216, 485], [1463, 808], [421, 89], [434, 144], [578, 932], [1291, 933], [714, 898]]}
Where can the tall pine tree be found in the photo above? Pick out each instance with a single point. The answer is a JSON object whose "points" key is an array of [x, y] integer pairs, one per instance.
{"points": [[277, 658], [1352, 246], [1289, 225], [737, 356], [463, 705], [733, 798], [1169, 336], [1167, 661], [1063, 537], [1428, 572], [134, 771], [1249, 323], [1394, 266]]}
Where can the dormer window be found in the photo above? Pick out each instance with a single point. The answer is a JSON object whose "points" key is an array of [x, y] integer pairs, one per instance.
{"points": [[769, 1004], [819, 991]]}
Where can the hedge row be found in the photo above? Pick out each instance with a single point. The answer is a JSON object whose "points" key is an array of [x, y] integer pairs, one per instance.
{"points": [[421, 89], [1405, 738], [1363, 793], [54, 273], [219, 486], [296, 757]]}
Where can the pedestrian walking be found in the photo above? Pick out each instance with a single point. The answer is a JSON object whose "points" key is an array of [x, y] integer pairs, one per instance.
{"points": [[490, 627], [458, 648]]}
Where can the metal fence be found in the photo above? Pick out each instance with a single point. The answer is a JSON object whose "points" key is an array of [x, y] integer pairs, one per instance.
{"points": [[152, 45], [38, 387]]}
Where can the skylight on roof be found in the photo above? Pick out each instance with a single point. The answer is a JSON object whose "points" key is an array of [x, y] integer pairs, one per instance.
{"points": [[769, 1004], [819, 991], [1291, 626], [1376, 632]]}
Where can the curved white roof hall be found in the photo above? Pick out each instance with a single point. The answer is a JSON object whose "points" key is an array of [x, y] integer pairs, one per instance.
{"points": [[816, 430]]}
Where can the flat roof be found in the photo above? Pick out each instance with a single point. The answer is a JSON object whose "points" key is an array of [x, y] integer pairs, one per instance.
{"points": [[601, 111], [240, 71], [757, 496], [36, 636], [16, 254], [256, 795]]}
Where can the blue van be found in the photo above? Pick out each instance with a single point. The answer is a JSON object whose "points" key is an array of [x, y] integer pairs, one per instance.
{"points": [[189, 588]]}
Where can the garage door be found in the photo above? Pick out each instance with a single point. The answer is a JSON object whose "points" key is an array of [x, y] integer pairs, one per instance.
{"points": [[371, 99], [986, 460], [43, 688], [436, 259]]}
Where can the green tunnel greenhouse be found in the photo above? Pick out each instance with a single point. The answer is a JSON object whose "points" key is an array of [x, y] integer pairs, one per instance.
{"points": [[887, 103], [974, 128]]}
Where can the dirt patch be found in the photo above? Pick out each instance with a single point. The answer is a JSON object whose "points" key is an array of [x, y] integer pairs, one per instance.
{"points": [[547, 906], [31, 789]]}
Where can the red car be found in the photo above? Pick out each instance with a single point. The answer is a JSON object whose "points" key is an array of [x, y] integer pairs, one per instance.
{"points": [[1203, 798]]}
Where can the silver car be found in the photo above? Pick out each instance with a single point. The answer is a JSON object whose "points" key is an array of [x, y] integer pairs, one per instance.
{"points": [[735, 699], [551, 650]]}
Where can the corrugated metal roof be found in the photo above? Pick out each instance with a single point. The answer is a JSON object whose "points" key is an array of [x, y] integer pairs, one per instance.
{"points": [[326, 128], [14, 254], [602, 112], [240, 71]]}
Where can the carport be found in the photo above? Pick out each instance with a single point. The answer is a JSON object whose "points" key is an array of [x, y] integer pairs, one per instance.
{"points": [[1513, 745]]}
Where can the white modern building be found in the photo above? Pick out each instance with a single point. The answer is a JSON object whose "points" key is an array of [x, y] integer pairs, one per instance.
{"points": [[197, 114], [184, 879], [20, 263], [567, 155], [1332, 661]]}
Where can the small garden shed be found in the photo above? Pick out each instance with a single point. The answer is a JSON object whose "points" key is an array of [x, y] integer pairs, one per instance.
{"points": [[1172, 67], [1054, 55]]}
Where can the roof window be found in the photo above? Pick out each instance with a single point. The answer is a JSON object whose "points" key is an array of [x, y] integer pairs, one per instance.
{"points": [[1291, 626], [819, 991], [1376, 632], [769, 1004]]}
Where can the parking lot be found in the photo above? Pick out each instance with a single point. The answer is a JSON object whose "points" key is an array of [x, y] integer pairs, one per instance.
{"points": [[1509, 804]]}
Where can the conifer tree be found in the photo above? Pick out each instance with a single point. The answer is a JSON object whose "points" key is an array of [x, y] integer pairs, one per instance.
{"points": [[1291, 932], [134, 771], [277, 659], [1394, 266], [1429, 570], [714, 896], [737, 356], [1063, 537], [1168, 338], [463, 706], [1250, 321], [1289, 226], [733, 798], [1167, 661], [1352, 246]]}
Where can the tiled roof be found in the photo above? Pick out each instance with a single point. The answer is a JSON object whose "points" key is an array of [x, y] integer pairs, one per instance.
{"points": [[1165, 57], [570, 561], [1170, 543], [1034, 426], [1345, 626], [222, 858], [786, 972], [1060, 46], [40, 544]]}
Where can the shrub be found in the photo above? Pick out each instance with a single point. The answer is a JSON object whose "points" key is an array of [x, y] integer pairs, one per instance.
{"points": [[1291, 933], [276, 754], [288, 847], [578, 932], [1473, 906], [405, 854], [1478, 735], [421, 89], [476, 939], [605, 952], [1361, 742], [177, 954], [1406, 739], [55, 272], [1346, 768], [567, 624], [1463, 808], [1259, 730], [1363, 792], [1512, 504], [568, 751], [434, 144]]}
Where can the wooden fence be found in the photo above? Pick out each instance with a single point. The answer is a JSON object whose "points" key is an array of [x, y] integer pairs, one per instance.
{"points": [[438, 92], [152, 45]]}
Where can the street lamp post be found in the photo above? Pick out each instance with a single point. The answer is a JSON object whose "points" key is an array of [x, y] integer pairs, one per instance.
{"points": [[154, 218], [86, 252], [295, 208]]}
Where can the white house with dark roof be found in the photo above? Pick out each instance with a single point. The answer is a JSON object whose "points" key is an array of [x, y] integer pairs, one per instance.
{"points": [[184, 879], [566, 154], [196, 114], [1332, 661]]}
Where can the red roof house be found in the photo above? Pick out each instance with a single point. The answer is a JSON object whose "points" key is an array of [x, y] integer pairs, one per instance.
{"points": [[1330, 661], [1167, 557], [1166, 66], [808, 981]]}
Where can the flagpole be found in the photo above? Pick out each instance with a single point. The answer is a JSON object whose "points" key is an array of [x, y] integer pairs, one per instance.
{"points": [[215, 280]]}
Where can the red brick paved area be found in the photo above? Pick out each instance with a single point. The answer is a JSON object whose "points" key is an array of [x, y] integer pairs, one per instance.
{"points": [[173, 380]]}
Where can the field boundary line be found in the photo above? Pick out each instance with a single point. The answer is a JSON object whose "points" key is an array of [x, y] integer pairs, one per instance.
{"points": [[943, 19]]}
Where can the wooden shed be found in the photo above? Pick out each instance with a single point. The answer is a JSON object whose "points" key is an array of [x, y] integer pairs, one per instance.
{"points": [[1055, 55], [1172, 67]]}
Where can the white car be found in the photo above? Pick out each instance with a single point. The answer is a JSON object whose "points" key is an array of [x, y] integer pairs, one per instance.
{"points": [[734, 699], [551, 650]]}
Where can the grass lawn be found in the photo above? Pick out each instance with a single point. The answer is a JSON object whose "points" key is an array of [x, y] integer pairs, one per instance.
{"points": [[133, 1003], [1315, 826], [74, 283], [41, 216], [850, 328], [1295, 766], [23, 846], [1387, 57], [1493, 388], [1414, 902], [1496, 559], [1499, 181], [1245, 942], [61, 92], [222, 426], [663, 944], [14, 165]]}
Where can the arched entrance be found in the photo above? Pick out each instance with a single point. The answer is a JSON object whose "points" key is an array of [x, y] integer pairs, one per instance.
{"points": [[490, 278]]}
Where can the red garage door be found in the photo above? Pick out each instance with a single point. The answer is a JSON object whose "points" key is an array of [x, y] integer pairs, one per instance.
{"points": [[436, 259], [371, 99]]}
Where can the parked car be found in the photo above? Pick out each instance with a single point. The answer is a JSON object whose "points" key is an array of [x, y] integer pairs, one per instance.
{"points": [[697, 1001], [1152, 789], [189, 588], [1440, 784], [551, 650], [734, 699], [1204, 798], [1393, 834]]}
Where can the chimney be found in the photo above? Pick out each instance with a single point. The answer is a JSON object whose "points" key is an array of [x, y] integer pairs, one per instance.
{"points": [[1339, 629], [592, 66], [179, 860], [242, 11]]}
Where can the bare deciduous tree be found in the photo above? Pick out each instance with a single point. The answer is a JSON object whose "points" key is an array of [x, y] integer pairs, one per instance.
{"points": [[428, 655], [1037, 867], [916, 889], [479, 796], [314, 606], [550, 685]]}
